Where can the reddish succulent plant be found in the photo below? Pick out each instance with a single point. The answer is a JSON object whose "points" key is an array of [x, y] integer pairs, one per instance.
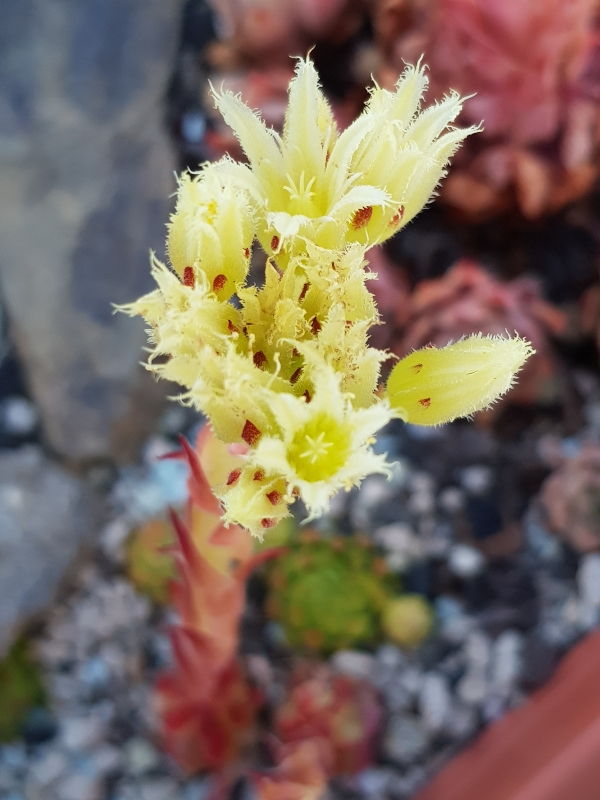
{"points": [[467, 300], [302, 772], [570, 498], [205, 703], [342, 712], [272, 30], [533, 71]]}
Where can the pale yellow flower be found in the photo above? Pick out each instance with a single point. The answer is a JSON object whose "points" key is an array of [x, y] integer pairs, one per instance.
{"points": [[361, 185], [323, 444]]}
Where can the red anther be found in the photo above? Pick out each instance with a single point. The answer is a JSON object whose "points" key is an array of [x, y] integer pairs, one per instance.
{"points": [[219, 282], [315, 325], [274, 243], [189, 279], [251, 434], [274, 497], [246, 252], [302, 294], [425, 402], [259, 475], [259, 359], [233, 476], [307, 396], [398, 216], [295, 376], [361, 217], [295, 353], [416, 368], [231, 327], [268, 522]]}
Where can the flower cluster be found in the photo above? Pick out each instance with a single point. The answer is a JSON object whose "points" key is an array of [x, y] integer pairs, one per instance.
{"points": [[285, 371]]}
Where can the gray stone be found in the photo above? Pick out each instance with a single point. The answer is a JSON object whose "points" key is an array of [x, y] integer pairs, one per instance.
{"points": [[44, 516], [87, 174]]}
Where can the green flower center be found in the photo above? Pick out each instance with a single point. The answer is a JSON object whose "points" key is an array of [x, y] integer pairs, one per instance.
{"points": [[319, 449]]}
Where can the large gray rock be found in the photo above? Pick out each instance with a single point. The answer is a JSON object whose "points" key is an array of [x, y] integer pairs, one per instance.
{"points": [[87, 174], [45, 514]]}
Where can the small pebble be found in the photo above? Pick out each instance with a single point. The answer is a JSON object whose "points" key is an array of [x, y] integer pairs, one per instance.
{"points": [[476, 479], [353, 663], [140, 756], [405, 739], [588, 580], [435, 702], [18, 416], [79, 787], [49, 768], [507, 660], [465, 561]]}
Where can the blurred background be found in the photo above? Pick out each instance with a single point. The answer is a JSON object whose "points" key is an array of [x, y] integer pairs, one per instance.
{"points": [[397, 648]]}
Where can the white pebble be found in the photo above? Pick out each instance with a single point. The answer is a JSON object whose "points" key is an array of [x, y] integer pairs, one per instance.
{"points": [[476, 479], [507, 660], [434, 701], [19, 416], [588, 580], [353, 663], [49, 768], [465, 561]]}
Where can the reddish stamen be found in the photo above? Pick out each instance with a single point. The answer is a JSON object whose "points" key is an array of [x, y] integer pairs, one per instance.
{"points": [[307, 396], [425, 402], [259, 359], [219, 282], [361, 217], [274, 497], [189, 279], [315, 326], [233, 476], [258, 475], [305, 289], [295, 376], [268, 522], [251, 434], [246, 252], [231, 327], [274, 242], [398, 216]]}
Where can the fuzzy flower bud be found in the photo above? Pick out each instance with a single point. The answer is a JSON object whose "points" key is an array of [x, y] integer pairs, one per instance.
{"points": [[211, 232], [432, 386]]}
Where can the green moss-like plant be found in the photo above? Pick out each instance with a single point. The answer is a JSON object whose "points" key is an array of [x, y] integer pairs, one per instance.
{"points": [[21, 690], [329, 594]]}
